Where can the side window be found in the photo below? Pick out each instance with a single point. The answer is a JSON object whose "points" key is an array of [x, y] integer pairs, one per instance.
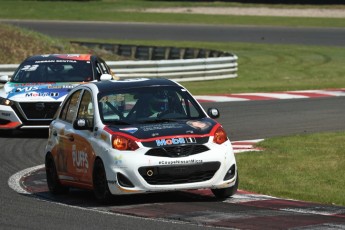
{"points": [[98, 71], [189, 108], [104, 67], [70, 107], [86, 108], [113, 107]]}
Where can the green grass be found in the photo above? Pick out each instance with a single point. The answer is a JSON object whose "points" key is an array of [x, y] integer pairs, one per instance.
{"points": [[16, 44], [268, 68], [303, 167], [117, 11]]}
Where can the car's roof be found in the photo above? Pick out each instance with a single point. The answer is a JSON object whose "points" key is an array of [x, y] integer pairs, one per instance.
{"points": [[104, 86], [78, 57]]}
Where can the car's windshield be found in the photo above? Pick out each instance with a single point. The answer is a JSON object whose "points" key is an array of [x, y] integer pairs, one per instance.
{"points": [[148, 105], [53, 71]]}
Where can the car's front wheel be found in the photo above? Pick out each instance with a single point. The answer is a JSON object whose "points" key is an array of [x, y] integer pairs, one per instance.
{"points": [[100, 183], [224, 193], [53, 181]]}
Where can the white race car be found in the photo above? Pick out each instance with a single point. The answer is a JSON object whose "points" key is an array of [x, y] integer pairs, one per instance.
{"points": [[137, 136], [31, 97]]}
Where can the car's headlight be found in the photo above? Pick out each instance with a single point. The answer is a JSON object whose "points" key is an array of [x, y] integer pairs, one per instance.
{"points": [[124, 143], [220, 136], [5, 101]]}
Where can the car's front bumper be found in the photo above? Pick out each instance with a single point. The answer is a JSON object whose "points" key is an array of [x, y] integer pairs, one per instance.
{"points": [[13, 118], [8, 118], [135, 172]]}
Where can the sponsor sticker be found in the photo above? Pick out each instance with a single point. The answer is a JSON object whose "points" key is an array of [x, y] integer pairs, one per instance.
{"points": [[112, 181], [199, 124], [61, 86], [177, 162], [129, 130], [6, 114], [80, 161], [155, 127], [118, 160], [43, 94], [175, 141], [26, 89]]}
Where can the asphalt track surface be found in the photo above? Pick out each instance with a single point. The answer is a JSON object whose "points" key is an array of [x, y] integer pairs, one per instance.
{"points": [[242, 120], [179, 32]]}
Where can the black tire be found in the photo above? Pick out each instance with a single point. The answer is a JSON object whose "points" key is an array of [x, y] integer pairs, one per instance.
{"points": [[100, 183], [53, 181], [224, 193]]}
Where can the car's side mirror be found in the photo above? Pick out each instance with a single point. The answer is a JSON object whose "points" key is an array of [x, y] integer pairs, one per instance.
{"points": [[4, 79], [105, 77], [213, 113], [81, 124]]}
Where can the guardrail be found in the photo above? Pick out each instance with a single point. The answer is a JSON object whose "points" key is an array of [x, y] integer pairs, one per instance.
{"points": [[8, 69], [179, 64]]}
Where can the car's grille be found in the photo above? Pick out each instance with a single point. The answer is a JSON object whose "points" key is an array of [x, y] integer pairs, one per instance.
{"points": [[179, 174], [39, 110], [177, 151]]}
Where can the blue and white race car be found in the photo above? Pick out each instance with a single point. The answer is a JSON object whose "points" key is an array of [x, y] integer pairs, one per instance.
{"points": [[137, 136], [31, 97]]}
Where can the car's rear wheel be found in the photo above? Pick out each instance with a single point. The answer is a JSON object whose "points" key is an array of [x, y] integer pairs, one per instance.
{"points": [[224, 193], [53, 181], [100, 183]]}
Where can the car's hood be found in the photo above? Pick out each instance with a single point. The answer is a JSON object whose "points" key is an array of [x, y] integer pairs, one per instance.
{"points": [[36, 91], [170, 132]]}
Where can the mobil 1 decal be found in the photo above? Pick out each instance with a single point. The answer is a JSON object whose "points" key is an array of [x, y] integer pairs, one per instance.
{"points": [[174, 141]]}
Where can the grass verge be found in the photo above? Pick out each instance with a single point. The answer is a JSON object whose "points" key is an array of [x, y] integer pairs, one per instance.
{"points": [[16, 44], [303, 167]]}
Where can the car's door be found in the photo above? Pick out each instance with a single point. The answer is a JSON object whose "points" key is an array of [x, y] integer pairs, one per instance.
{"points": [[83, 154], [63, 130]]}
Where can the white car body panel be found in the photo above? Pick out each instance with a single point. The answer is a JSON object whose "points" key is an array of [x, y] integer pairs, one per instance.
{"points": [[88, 145]]}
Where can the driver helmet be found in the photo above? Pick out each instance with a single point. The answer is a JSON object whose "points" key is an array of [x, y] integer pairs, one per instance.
{"points": [[159, 102], [56, 67]]}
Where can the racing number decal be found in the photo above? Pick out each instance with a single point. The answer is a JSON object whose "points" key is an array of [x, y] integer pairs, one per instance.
{"points": [[29, 67]]}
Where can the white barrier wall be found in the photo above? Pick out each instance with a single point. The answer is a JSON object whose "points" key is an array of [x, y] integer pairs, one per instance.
{"points": [[179, 64], [179, 70]]}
